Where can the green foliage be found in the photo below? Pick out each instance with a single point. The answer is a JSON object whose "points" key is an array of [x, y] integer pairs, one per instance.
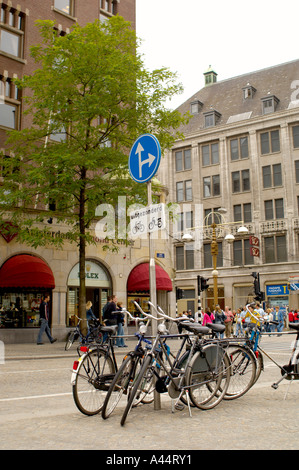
{"points": [[89, 98]]}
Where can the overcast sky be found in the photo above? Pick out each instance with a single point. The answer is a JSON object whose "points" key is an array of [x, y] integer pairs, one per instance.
{"points": [[232, 36]]}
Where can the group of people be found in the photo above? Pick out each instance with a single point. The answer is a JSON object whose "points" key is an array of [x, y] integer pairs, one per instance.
{"points": [[112, 315], [236, 322]]}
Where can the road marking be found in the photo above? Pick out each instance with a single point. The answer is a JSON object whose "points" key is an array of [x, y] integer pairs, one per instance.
{"points": [[36, 396]]}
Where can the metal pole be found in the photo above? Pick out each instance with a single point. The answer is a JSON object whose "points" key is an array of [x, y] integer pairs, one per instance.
{"points": [[152, 282]]}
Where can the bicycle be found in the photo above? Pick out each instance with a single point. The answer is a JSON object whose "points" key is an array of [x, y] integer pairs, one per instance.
{"points": [[94, 334], [289, 371], [197, 373], [124, 379], [93, 373]]}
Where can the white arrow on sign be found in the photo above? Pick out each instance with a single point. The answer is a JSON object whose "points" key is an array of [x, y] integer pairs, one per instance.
{"points": [[150, 160]]}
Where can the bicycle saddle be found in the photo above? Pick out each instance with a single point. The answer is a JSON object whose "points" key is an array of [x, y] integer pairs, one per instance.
{"points": [[294, 326], [195, 328], [216, 327], [109, 329]]}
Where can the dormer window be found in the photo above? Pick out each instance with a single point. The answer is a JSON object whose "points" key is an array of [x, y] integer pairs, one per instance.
{"points": [[211, 118], [248, 91], [196, 107], [269, 104]]}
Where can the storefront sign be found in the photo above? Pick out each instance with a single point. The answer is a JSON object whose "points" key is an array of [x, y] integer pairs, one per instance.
{"points": [[277, 289], [95, 275]]}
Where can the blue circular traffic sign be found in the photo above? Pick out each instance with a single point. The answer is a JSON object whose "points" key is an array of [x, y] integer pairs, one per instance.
{"points": [[145, 157]]}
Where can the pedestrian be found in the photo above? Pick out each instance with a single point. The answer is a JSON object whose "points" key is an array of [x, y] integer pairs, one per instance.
{"points": [[120, 342], [219, 318], [267, 321], [291, 316], [280, 318], [296, 319], [92, 320], [228, 322], [238, 320], [44, 314], [271, 318], [208, 317]]}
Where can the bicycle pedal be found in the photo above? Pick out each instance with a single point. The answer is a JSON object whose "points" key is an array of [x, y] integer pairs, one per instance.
{"points": [[179, 406], [275, 386]]}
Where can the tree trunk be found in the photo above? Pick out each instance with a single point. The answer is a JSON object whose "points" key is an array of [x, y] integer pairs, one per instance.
{"points": [[82, 245]]}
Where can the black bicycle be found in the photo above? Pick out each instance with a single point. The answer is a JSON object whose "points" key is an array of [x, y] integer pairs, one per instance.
{"points": [[94, 334], [124, 379], [93, 373]]}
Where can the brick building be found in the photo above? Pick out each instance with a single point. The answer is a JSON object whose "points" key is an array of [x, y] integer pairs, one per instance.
{"points": [[241, 155], [26, 273]]}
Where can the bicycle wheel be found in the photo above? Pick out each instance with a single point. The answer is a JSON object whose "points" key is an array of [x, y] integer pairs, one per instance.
{"points": [[93, 378], [118, 386], [70, 340], [208, 376], [141, 376], [147, 386], [243, 371]]}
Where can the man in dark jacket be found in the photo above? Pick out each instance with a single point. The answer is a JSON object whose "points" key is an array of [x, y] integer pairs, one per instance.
{"points": [[44, 319], [110, 318]]}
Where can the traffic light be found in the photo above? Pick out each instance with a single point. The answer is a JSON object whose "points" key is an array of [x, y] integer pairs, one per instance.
{"points": [[202, 283], [259, 296], [179, 293]]}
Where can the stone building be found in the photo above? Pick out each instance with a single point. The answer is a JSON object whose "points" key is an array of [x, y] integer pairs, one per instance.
{"points": [[240, 155]]}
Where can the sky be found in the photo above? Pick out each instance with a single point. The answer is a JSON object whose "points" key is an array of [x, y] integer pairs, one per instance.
{"points": [[234, 37]]}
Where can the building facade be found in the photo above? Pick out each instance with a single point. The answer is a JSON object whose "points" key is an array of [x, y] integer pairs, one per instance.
{"points": [[238, 165], [26, 273]]}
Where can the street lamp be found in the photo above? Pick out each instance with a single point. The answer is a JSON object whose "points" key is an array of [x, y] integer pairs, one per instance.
{"points": [[214, 226]]}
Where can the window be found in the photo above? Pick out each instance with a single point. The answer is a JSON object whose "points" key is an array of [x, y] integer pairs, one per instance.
{"points": [[185, 221], [242, 212], [211, 186], [275, 249], [269, 104], [272, 176], [64, 5], [248, 92], [296, 137], [210, 154], [240, 181], [185, 257], [183, 160], [196, 107], [270, 142], [239, 148], [9, 109], [242, 253], [208, 261], [184, 191], [11, 32], [297, 171], [211, 118], [275, 210]]}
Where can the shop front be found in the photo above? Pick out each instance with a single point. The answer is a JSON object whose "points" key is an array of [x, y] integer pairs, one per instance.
{"points": [[98, 287], [24, 279], [277, 295], [138, 288]]}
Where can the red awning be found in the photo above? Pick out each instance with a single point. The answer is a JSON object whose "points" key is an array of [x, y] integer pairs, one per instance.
{"points": [[26, 271], [138, 280]]}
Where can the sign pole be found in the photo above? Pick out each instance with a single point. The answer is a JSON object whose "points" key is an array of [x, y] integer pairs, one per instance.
{"points": [[152, 283]]}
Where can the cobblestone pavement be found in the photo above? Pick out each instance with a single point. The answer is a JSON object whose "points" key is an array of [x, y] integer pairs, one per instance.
{"points": [[37, 410]]}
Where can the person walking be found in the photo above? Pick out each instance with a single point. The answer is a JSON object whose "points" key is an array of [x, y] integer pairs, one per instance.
{"points": [[228, 322], [219, 318], [120, 342], [208, 317], [238, 319], [44, 320]]}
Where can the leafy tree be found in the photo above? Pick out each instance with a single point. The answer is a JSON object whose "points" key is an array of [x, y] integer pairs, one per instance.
{"points": [[88, 100]]}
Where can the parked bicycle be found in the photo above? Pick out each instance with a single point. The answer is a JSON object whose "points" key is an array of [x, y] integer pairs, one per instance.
{"points": [[200, 374], [94, 334], [289, 371], [93, 373], [125, 377]]}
